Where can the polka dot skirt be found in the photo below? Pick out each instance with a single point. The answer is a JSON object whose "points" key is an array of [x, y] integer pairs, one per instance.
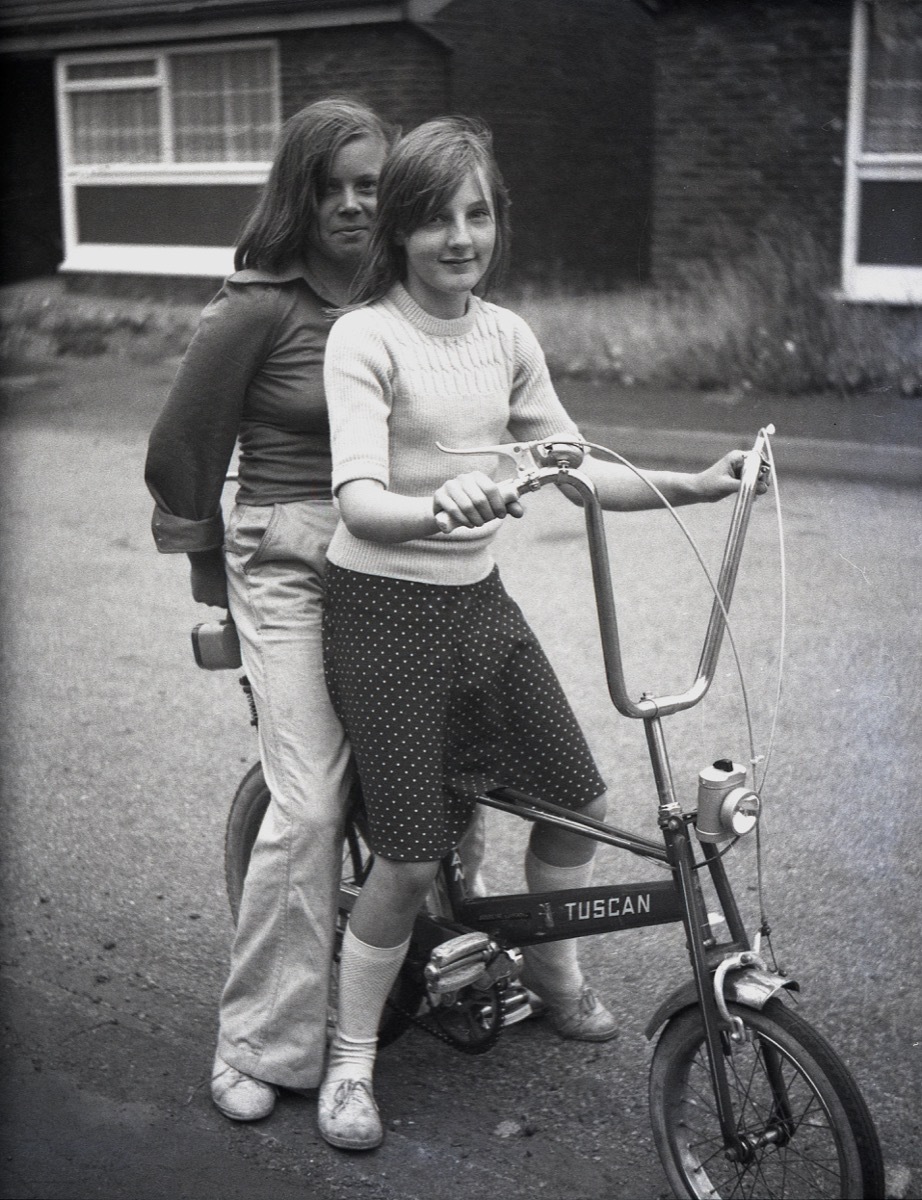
{"points": [[444, 691]]}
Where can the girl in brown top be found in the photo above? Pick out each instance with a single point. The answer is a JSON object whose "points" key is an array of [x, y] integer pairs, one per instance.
{"points": [[253, 374]]}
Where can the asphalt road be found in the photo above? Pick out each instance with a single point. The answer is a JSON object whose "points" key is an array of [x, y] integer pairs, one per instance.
{"points": [[119, 758]]}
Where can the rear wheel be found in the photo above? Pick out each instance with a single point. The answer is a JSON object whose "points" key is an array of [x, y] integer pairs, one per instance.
{"points": [[246, 816], [806, 1126]]}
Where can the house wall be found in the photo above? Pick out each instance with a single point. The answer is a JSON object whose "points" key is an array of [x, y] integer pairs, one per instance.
{"points": [[751, 106], [398, 70], [567, 90]]}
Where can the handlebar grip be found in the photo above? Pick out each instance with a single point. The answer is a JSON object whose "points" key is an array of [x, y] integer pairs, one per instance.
{"points": [[508, 490], [445, 523]]}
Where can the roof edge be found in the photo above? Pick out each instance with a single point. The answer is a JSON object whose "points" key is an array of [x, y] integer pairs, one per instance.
{"points": [[148, 28]]}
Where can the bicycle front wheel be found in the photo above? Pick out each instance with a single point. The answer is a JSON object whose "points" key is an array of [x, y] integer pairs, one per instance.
{"points": [[807, 1125]]}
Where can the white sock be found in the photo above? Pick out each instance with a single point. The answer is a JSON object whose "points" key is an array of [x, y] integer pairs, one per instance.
{"points": [[366, 975], [552, 970]]}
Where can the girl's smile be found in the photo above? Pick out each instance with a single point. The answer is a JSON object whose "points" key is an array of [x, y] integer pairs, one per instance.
{"points": [[448, 255]]}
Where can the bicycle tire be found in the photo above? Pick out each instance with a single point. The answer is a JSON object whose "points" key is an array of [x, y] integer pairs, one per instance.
{"points": [[243, 823], [244, 819], [827, 1145]]}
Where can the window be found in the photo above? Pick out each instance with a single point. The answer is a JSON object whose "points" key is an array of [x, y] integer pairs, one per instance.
{"points": [[882, 244], [163, 153]]}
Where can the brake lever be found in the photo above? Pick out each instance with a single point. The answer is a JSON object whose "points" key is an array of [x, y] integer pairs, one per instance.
{"points": [[529, 457]]}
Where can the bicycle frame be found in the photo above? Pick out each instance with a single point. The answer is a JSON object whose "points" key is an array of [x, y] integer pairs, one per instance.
{"points": [[524, 919], [792, 1091]]}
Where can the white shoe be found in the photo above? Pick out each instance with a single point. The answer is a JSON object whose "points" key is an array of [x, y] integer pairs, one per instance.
{"points": [[584, 1018], [240, 1096], [348, 1116]]}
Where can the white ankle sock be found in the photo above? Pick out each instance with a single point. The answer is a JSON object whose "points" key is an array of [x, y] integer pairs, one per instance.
{"points": [[366, 975], [553, 970]]}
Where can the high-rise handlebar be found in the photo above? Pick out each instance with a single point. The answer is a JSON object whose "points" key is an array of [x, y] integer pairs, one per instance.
{"points": [[559, 462]]}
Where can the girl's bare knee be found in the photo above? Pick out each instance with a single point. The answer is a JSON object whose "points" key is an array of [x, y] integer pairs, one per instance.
{"points": [[408, 878], [596, 808], [559, 847]]}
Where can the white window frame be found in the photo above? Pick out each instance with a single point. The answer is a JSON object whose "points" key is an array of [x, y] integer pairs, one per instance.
{"points": [[860, 281], [133, 259]]}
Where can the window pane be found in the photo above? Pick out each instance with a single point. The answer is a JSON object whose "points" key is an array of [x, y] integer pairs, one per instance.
{"points": [[223, 106], [133, 69], [893, 118], [116, 127]]}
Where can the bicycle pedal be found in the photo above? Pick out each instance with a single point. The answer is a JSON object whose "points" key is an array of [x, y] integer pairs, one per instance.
{"points": [[459, 963], [519, 1004], [461, 947], [453, 978]]}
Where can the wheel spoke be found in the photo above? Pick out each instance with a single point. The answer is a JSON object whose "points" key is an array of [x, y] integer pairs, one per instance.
{"points": [[803, 1126]]}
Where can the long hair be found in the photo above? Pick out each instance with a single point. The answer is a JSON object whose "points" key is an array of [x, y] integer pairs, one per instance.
{"points": [[276, 232], [420, 176]]}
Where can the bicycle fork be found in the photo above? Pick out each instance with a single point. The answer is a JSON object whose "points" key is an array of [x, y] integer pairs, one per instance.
{"points": [[675, 829]]}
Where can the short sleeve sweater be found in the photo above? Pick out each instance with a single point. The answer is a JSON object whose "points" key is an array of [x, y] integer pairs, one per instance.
{"points": [[398, 380]]}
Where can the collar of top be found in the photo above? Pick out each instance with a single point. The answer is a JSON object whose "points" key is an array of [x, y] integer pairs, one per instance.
{"points": [[254, 275], [295, 271], [438, 326]]}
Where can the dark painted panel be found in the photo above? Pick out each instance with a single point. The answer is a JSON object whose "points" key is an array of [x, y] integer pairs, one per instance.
{"points": [[30, 214], [164, 214], [891, 223]]}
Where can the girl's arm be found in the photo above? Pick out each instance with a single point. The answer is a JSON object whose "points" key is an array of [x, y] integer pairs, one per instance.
{"points": [[369, 511], [535, 409], [372, 513], [621, 490], [193, 439]]}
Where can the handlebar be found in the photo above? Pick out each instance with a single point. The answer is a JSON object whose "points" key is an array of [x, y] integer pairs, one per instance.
{"points": [[559, 462]]}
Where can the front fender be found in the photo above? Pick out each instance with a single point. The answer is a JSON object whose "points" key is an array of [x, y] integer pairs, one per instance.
{"points": [[749, 986]]}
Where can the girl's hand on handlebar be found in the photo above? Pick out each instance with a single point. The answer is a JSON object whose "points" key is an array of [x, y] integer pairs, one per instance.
{"points": [[723, 477], [209, 582], [474, 499]]}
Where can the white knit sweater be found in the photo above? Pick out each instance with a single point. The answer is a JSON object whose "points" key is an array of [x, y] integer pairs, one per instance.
{"points": [[397, 380]]}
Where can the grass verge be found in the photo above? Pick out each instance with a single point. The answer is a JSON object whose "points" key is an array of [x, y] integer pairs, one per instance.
{"points": [[767, 320]]}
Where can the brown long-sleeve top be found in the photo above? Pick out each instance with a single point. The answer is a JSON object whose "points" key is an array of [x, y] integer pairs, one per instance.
{"points": [[253, 372]]}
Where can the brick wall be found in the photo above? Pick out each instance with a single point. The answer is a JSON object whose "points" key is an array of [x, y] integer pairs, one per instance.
{"points": [[566, 88], [398, 70], [751, 104]]}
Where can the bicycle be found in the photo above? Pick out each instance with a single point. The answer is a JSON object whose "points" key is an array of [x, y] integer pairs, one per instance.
{"points": [[746, 1098]]}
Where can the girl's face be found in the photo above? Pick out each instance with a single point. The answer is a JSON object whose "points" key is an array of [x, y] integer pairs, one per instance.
{"points": [[346, 209], [447, 256]]}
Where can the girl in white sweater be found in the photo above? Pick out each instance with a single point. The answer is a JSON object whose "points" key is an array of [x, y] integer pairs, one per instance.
{"points": [[440, 683]]}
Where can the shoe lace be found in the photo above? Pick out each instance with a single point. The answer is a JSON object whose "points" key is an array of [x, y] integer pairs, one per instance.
{"points": [[346, 1093]]}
